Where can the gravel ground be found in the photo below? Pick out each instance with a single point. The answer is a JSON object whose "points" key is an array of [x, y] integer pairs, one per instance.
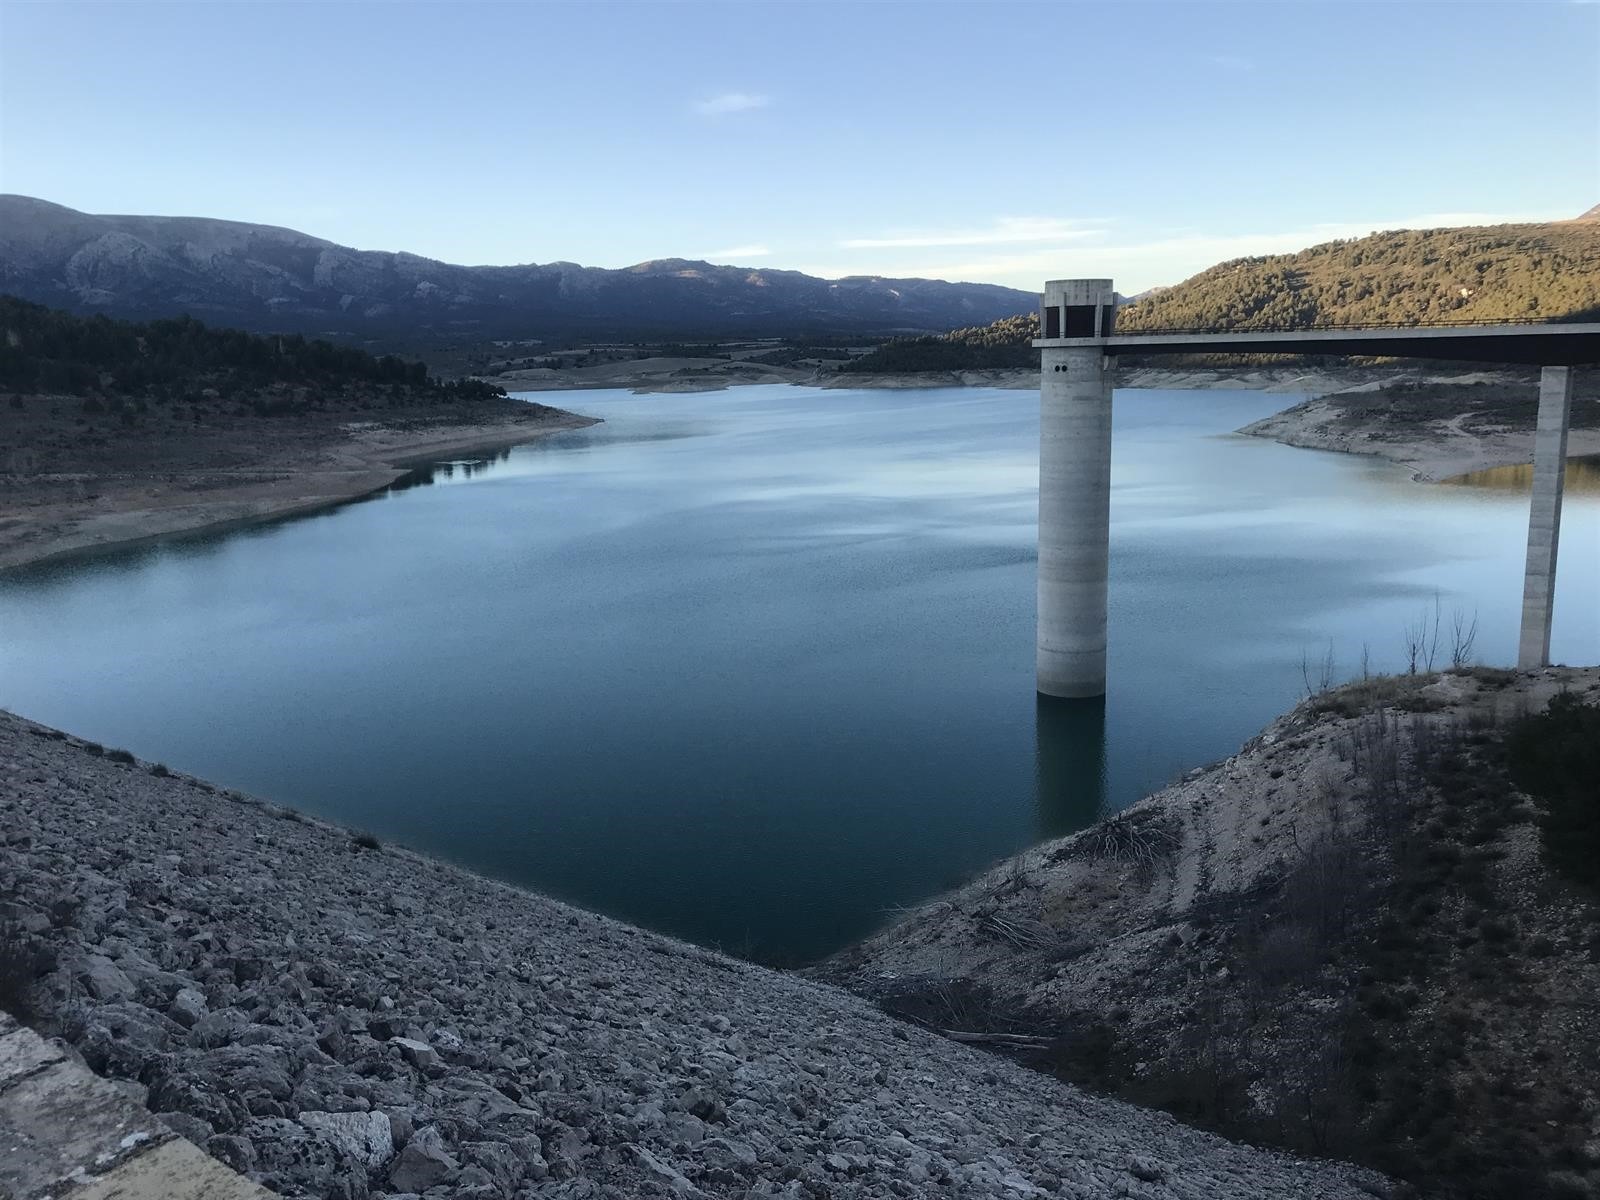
{"points": [[340, 1021]]}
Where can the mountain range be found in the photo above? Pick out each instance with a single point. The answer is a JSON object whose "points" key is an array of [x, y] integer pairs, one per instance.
{"points": [[264, 278]]}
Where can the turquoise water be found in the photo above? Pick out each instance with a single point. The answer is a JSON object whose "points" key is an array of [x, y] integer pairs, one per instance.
{"points": [[756, 666]]}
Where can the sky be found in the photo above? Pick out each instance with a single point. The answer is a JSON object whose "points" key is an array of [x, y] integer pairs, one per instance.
{"points": [[994, 142]]}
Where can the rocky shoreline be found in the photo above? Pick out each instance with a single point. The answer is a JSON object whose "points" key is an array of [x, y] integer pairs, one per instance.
{"points": [[335, 1018], [56, 515], [1445, 448], [1433, 446], [1343, 936]]}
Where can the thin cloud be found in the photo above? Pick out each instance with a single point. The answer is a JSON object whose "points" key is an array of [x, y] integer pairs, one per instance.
{"points": [[1159, 260], [757, 250], [730, 102], [1004, 231]]}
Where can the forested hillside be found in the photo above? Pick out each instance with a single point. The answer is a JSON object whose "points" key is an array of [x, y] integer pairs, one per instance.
{"points": [[112, 431], [46, 351], [1488, 273], [1006, 343]]}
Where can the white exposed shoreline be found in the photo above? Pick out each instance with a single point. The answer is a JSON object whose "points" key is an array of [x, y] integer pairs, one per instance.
{"points": [[52, 523], [1438, 450]]}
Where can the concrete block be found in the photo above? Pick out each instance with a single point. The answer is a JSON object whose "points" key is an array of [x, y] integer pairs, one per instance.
{"points": [[175, 1170], [66, 1123], [22, 1053]]}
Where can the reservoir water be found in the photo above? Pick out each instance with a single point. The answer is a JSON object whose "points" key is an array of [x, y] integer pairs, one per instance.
{"points": [[755, 667]]}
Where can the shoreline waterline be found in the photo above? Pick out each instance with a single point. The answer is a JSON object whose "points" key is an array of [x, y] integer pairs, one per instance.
{"points": [[757, 667], [387, 467]]}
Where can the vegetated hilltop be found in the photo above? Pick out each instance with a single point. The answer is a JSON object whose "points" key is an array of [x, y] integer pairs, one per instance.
{"points": [[114, 431], [90, 393], [1007, 342], [261, 277], [56, 353], [1373, 934], [1486, 273], [341, 1019]]}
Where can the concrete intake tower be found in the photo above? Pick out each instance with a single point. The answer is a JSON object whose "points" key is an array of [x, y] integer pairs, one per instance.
{"points": [[1077, 344], [1074, 485]]}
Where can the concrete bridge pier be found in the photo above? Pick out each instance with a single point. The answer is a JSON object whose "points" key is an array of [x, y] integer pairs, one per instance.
{"points": [[1077, 339], [1074, 488], [1544, 515]]}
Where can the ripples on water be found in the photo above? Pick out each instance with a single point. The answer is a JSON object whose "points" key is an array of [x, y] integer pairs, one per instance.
{"points": [[756, 666]]}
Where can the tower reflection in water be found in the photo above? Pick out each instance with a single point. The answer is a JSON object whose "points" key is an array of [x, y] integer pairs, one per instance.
{"points": [[1069, 757]]}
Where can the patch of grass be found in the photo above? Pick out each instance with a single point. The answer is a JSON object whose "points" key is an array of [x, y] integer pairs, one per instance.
{"points": [[1495, 677], [121, 756], [365, 841], [159, 770], [1378, 692]]}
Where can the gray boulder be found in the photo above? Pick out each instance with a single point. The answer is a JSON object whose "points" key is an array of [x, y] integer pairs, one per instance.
{"points": [[103, 979], [187, 1007], [294, 1160], [425, 1162], [419, 1054], [363, 1136]]}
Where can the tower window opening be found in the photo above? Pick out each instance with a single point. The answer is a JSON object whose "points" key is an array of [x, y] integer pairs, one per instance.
{"points": [[1077, 320]]}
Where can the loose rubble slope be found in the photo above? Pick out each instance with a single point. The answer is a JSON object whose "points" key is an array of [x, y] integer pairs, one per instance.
{"points": [[349, 1022], [1344, 938]]}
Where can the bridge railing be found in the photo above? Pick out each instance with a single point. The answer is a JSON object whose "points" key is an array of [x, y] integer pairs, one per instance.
{"points": [[1486, 323]]}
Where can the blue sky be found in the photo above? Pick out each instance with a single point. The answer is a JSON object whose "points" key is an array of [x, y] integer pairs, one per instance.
{"points": [[1000, 142]]}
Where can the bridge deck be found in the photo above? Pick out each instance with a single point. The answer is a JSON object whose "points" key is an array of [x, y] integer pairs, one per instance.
{"points": [[1536, 345]]}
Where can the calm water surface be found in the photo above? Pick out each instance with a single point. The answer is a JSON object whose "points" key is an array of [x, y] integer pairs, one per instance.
{"points": [[753, 667]]}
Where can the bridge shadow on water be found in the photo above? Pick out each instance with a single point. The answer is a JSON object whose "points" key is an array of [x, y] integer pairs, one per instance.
{"points": [[1069, 764]]}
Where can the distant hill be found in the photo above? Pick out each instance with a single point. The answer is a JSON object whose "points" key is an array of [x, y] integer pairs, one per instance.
{"points": [[1007, 342], [1592, 215], [1536, 272], [1493, 272], [264, 278]]}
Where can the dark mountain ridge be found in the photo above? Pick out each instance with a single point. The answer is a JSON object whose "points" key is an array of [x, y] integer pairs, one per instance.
{"points": [[265, 278]]}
